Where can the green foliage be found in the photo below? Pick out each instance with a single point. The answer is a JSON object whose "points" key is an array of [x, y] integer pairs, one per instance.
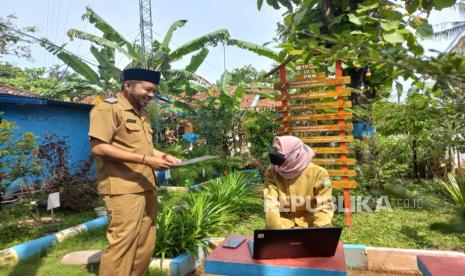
{"points": [[232, 191], [218, 122], [47, 82], [245, 74], [162, 57], [382, 160], [374, 34], [454, 189], [73, 61], [12, 43], [197, 60], [254, 48], [204, 171], [184, 228], [210, 39], [260, 132], [16, 154], [15, 230]]}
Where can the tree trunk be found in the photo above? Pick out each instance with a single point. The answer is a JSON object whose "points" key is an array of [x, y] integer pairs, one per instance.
{"points": [[415, 158], [459, 169], [327, 11]]}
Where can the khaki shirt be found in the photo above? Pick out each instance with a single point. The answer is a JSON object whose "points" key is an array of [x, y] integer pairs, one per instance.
{"points": [[290, 203], [119, 124]]}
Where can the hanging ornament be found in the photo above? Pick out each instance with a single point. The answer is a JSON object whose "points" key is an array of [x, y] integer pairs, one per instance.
{"points": [[368, 73]]}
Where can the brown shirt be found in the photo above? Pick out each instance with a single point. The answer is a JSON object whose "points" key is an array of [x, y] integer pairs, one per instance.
{"points": [[118, 123], [293, 202]]}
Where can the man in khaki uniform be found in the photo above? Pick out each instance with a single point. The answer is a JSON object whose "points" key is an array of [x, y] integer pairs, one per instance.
{"points": [[297, 192], [121, 139]]}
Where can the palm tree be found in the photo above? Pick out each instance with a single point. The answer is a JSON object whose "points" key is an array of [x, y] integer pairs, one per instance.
{"points": [[106, 79]]}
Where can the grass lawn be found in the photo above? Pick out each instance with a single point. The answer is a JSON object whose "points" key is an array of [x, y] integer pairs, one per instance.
{"points": [[401, 228], [49, 262], [14, 231]]}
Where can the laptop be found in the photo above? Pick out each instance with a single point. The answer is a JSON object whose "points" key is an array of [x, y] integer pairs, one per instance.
{"points": [[294, 243]]}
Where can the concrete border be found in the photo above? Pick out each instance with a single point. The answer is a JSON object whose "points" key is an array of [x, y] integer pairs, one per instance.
{"points": [[401, 261], [356, 256], [24, 251]]}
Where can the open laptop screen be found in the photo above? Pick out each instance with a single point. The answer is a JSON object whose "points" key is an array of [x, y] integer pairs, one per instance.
{"points": [[295, 242]]}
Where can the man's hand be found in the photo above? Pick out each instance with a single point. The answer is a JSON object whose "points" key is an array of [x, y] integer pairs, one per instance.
{"points": [[172, 159], [157, 163]]}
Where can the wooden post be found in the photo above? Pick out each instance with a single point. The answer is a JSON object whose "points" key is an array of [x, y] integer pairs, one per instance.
{"points": [[284, 103], [343, 145]]}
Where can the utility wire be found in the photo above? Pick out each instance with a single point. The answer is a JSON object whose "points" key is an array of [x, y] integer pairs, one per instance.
{"points": [[50, 43], [67, 18], [58, 19]]}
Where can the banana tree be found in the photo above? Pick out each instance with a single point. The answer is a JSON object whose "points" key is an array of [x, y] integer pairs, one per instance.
{"points": [[161, 58]]}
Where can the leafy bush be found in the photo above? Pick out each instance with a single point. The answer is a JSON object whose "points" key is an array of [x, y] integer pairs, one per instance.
{"points": [[232, 191], [16, 155], [382, 160], [78, 189], [203, 214], [184, 229], [260, 132], [204, 171], [455, 190]]}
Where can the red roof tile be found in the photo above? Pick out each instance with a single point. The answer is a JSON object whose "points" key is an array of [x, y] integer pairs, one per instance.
{"points": [[13, 91]]}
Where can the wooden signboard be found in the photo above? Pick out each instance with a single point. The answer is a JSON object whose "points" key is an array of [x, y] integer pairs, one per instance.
{"points": [[327, 139], [315, 117], [304, 118], [331, 150], [316, 128], [347, 184], [313, 83], [314, 95], [303, 67], [314, 106], [302, 76], [333, 161], [341, 173]]}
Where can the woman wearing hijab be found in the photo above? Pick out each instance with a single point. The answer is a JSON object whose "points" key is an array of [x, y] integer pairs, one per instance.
{"points": [[297, 192]]}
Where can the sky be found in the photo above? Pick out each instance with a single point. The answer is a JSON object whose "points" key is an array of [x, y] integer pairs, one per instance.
{"points": [[241, 17]]}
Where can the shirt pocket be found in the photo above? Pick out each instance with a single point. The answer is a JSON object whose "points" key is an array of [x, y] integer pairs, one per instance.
{"points": [[132, 136], [132, 127]]}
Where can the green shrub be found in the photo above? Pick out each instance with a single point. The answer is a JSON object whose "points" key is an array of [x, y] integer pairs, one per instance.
{"points": [[454, 189], [203, 214], [233, 191], [185, 228], [382, 160], [204, 171]]}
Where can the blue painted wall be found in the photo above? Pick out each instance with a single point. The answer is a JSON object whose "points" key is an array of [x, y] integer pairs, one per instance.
{"points": [[71, 122]]}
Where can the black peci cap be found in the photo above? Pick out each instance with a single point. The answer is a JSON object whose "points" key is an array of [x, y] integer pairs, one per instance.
{"points": [[141, 74]]}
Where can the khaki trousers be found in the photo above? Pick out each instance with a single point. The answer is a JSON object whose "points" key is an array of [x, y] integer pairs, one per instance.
{"points": [[130, 234]]}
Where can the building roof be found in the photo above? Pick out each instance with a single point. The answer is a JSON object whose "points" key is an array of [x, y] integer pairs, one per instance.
{"points": [[13, 91], [10, 94], [248, 101]]}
